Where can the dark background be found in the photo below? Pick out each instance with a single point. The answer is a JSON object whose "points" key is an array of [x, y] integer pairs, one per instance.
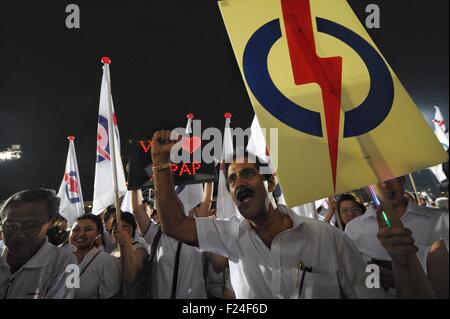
{"points": [[168, 58]]}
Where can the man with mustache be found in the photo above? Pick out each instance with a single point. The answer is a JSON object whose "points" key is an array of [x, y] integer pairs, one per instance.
{"points": [[273, 253]]}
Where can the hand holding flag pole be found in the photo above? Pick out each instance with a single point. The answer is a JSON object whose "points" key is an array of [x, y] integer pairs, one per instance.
{"points": [[413, 183]]}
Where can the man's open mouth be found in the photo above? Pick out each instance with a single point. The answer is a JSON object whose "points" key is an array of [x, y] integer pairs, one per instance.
{"points": [[244, 194]]}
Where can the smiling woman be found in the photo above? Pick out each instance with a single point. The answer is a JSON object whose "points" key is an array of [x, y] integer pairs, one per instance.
{"points": [[99, 276]]}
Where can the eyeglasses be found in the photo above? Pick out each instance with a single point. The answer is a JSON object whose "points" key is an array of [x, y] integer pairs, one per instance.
{"points": [[8, 227], [355, 210]]}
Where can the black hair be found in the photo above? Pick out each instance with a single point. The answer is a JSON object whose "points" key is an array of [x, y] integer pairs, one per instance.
{"points": [[110, 212], [32, 196], [94, 218], [349, 197], [129, 219], [259, 163]]}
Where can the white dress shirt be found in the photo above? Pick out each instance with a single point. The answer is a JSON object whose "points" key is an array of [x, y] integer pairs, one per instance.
{"points": [[42, 276], [102, 277], [427, 225], [260, 272], [190, 284]]}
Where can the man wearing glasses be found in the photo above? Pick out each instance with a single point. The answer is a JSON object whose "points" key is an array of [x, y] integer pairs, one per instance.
{"points": [[31, 267]]}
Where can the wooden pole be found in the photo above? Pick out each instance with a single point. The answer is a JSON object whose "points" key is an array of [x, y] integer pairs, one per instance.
{"points": [[112, 147], [414, 186]]}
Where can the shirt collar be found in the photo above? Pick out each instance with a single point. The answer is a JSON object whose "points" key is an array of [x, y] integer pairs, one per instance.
{"points": [[415, 209], [369, 213], [38, 260], [41, 257], [411, 208], [90, 254], [243, 224]]}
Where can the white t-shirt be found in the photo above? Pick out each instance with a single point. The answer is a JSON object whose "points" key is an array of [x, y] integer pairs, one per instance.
{"points": [[43, 276], [101, 278], [427, 225], [190, 284], [259, 272]]}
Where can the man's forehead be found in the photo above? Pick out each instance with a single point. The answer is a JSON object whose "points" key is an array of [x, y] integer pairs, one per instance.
{"points": [[240, 165], [34, 210]]}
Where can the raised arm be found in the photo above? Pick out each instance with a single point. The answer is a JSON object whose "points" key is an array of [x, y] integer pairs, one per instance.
{"points": [[174, 223], [131, 259], [140, 211], [331, 209], [410, 279]]}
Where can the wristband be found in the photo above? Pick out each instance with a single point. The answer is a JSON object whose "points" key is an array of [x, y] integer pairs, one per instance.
{"points": [[161, 167]]}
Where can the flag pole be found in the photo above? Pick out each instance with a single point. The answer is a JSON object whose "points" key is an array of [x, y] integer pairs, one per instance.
{"points": [[111, 135], [414, 186]]}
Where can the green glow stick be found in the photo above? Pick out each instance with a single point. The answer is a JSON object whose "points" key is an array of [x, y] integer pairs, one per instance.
{"points": [[377, 201]]}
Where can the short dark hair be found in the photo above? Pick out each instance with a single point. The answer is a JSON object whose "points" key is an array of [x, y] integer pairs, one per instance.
{"points": [[94, 218], [258, 162], [32, 196], [110, 212], [350, 197]]}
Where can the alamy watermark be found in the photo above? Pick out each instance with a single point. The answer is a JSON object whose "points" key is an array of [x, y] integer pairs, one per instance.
{"points": [[373, 278], [215, 150], [73, 19], [373, 19]]}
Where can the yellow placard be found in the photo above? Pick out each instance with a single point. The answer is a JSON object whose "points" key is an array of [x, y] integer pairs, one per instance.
{"points": [[344, 119]]}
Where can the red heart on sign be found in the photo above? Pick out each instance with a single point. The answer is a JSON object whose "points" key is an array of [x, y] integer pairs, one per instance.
{"points": [[191, 144]]}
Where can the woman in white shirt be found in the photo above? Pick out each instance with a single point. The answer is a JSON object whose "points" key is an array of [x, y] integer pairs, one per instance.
{"points": [[99, 272]]}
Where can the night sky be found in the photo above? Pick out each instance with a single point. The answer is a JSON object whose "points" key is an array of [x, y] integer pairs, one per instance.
{"points": [[169, 58]]}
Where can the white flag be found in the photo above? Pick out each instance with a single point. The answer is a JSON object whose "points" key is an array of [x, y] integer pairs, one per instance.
{"points": [[257, 146], [71, 206], [439, 119], [190, 195], [104, 193], [126, 205], [440, 130], [225, 204]]}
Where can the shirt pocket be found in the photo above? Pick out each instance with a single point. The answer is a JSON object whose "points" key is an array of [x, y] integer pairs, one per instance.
{"points": [[321, 285]]}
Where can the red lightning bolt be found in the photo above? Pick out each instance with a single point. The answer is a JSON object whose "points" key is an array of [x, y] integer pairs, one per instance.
{"points": [[308, 67]]}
